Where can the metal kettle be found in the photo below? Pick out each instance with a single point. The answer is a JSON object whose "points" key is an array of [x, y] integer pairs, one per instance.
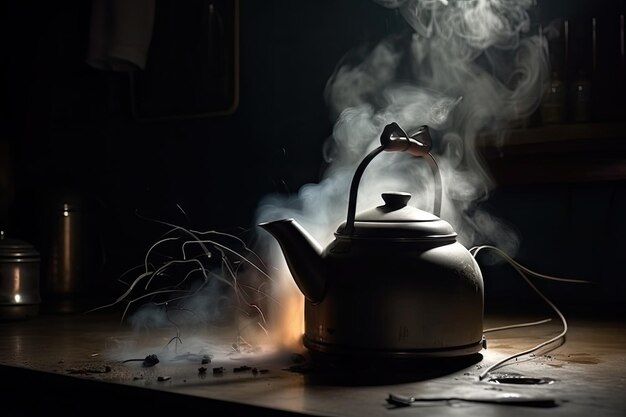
{"points": [[394, 282]]}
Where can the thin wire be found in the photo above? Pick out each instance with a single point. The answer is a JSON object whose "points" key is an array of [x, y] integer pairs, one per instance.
{"points": [[474, 251], [520, 269], [514, 326]]}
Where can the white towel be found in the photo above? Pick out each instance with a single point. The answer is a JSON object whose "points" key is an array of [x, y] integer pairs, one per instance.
{"points": [[120, 34]]}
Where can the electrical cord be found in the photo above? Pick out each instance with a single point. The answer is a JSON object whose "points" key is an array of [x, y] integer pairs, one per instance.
{"points": [[474, 251], [515, 326], [523, 271]]}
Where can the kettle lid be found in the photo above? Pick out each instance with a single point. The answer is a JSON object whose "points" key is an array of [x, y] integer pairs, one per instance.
{"points": [[396, 219]]}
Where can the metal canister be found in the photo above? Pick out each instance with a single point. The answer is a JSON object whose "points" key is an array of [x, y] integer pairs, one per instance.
{"points": [[73, 256], [19, 279]]}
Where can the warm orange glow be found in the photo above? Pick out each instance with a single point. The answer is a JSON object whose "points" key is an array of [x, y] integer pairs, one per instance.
{"points": [[287, 316]]}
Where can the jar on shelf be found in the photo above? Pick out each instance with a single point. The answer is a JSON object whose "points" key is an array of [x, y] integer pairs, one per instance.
{"points": [[552, 107], [581, 98]]}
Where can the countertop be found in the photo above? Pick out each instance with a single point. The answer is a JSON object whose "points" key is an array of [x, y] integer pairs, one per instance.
{"points": [[77, 365]]}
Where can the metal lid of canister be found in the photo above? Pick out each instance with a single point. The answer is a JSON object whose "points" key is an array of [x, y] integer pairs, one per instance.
{"points": [[17, 250]]}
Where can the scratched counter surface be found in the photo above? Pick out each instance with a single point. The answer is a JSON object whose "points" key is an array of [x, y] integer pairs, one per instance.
{"points": [[94, 365]]}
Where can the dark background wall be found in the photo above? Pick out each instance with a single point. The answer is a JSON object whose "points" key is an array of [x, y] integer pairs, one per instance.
{"points": [[69, 128]]}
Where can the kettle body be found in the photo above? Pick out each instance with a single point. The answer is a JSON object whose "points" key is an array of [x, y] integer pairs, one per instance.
{"points": [[397, 299]]}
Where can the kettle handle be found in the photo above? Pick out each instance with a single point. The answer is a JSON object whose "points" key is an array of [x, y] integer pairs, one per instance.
{"points": [[395, 139]]}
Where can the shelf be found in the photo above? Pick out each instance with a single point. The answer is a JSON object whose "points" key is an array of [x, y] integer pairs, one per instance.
{"points": [[586, 152]]}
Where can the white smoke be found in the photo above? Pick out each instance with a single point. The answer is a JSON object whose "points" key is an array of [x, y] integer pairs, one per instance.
{"points": [[468, 67]]}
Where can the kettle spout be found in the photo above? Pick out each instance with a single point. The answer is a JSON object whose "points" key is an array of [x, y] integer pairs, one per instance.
{"points": [[303, 255]]}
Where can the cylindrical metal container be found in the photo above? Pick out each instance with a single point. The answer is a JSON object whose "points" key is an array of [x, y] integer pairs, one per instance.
{"points": [[19, 279], [73, 256]]}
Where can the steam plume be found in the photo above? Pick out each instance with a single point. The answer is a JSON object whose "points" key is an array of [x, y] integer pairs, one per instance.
{"points": [[464, 66]]}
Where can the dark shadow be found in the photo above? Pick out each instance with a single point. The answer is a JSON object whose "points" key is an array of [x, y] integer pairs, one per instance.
{"points": [[89, 397], [352, 370]]}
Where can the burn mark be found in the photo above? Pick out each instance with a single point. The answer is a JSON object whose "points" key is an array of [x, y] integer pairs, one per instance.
{"points": [[519, 379]]}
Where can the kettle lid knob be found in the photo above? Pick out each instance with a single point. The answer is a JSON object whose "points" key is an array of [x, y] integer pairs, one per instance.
{"points": [[396, 200]]}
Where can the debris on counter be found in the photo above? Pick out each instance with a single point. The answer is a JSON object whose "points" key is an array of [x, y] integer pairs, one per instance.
{"points": [[202, 370], [256, 371], [206, 359], [93, 355], [85, 371], [137, 378], [148, 361], [242, 368], [219, 370], [163, 378]]}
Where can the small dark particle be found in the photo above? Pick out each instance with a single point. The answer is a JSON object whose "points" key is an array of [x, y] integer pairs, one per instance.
{"points": [[164, 378], [256, 371], [206, 359], [242, 368], [136, 378], [219, 370], [202, 370], [150, 360]]}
